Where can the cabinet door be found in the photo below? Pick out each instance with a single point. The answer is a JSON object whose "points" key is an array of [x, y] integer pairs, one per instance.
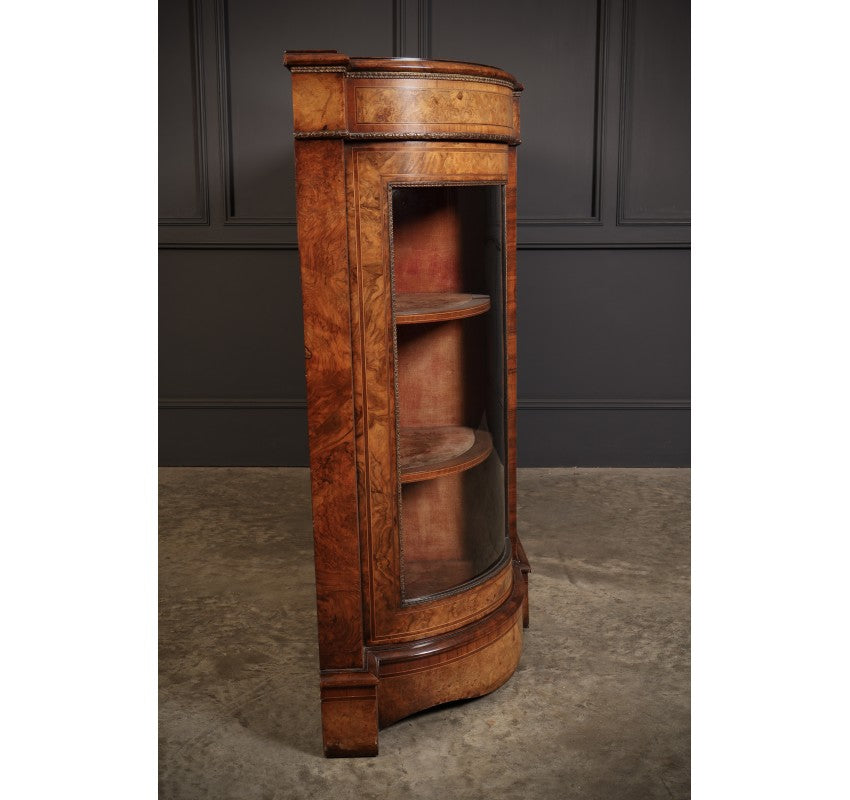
{"points": [[448, 268], [428, 244]]}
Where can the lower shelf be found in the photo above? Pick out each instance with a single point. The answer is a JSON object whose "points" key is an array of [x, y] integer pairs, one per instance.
{"points": [[427, 453], [422, 578]]}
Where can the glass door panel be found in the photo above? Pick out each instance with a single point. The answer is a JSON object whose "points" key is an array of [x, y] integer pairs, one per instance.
{"points": [[449, 314]]}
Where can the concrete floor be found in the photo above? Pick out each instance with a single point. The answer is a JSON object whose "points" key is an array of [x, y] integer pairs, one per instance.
{"points": [[598, 708]]}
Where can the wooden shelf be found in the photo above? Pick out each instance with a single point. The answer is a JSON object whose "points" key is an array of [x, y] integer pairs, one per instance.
{"points": [[428, 453], [422, 578], [417, 307]]}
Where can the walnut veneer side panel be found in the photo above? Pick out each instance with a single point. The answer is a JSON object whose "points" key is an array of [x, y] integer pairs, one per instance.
{"points": [[323, 243], [318, 101]]}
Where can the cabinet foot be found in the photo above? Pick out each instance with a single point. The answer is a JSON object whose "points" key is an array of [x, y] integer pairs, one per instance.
{"points": [[349, 714]]}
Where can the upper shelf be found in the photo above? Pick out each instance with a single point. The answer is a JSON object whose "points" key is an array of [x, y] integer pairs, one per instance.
{"points": [[416, 307], [427, 453]]}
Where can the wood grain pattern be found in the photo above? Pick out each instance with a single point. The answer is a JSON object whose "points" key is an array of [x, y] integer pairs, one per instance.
{"points": [[439, 618], [421, 307], [350, 713], [511, 344], [318, 101], [428, 453], [436, 106], [473, 661], [320, 192], [338, 97], [374, 169]]}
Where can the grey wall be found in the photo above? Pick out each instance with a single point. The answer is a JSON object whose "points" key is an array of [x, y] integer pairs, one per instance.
{"points": [[604, 211]]}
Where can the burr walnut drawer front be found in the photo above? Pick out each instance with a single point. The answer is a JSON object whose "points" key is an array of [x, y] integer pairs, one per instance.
{"points": [[421, 106]]}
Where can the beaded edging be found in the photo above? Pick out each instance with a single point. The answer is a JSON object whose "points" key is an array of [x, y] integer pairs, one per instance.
{"points": [[485, 137]]}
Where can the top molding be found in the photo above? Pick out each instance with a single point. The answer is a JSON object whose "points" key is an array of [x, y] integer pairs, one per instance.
{"points": [[317, 60], [336, 96]]}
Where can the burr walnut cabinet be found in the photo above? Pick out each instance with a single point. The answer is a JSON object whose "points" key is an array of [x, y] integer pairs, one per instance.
{"points": [[406, 202]]}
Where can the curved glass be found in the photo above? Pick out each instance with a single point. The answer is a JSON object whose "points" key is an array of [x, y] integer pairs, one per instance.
{"points": [[448, 264]]}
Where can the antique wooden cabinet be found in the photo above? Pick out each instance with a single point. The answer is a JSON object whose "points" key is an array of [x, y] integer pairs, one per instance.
{"points": [[406, 195]]}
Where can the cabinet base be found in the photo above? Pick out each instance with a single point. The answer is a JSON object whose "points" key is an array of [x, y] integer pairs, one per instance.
{"points": [[405, 678]]}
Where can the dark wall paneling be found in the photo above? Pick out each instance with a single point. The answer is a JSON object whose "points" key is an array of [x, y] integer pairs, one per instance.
{"points": [[257, 111], [604, 357], [604, 324], [412, 29], [252, 435], [635, 436], [231, 357], [182, 141], [655, 183], [230, 324], [603, 231], [557, 51]]}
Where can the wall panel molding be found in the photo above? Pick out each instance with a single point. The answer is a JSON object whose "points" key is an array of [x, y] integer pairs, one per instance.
{"points": [[273, 433], [200, 123], [411, 25], [530, 404], [520, 246], [399, 28], [603, 246], [228, 246], [189, 403], [601, 79], [635, 404], [424, 19], [626, 127], [226, 149]]}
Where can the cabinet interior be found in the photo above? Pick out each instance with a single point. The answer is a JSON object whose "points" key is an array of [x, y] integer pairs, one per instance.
{"points": [[449, 315]]}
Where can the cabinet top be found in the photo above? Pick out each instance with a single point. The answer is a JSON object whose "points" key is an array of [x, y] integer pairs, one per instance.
{"points": [[332, 61]]}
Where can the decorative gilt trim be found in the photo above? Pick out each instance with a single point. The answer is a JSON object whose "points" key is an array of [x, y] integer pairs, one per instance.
{"points": [[439, 184], [318, 69], [402, 571], [448, 136], [320, 134], [439, 76]]}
